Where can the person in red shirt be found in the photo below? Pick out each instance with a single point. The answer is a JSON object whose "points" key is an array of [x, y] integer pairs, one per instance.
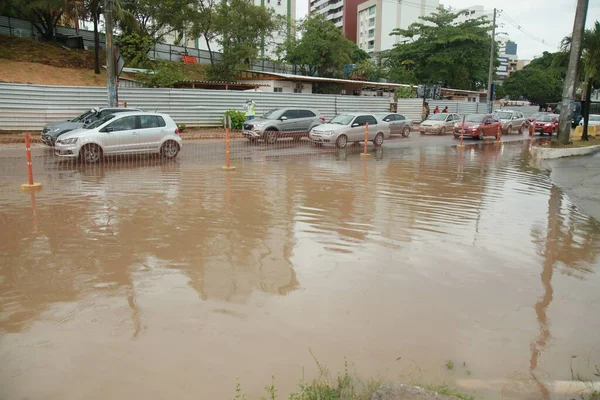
{"points": [[437, 110]]}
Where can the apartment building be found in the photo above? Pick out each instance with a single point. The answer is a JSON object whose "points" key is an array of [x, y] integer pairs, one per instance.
{"points": [[378, 18], [341, 12], [508, 59]]}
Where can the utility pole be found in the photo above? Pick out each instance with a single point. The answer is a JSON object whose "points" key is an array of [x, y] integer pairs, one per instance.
{"points": [[110, 56], [491, 70], [566, 105]]}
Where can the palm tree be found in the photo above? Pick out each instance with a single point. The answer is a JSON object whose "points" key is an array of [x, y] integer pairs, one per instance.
{"points": [[591, 67]]}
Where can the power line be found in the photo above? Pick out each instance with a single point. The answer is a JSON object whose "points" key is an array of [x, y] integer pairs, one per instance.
{"points": [[515, 24]]}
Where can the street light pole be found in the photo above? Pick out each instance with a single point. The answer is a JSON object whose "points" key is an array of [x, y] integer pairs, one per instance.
{"points": [[566, 105], [491, 70], [110, 56]]}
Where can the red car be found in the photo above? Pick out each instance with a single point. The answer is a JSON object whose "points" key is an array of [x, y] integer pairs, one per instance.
{"points": [[535, 116], [478, 126], [547, 124]]}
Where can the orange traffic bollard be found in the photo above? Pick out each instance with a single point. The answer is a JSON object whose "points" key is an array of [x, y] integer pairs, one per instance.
{"points": [[364, 153], [531, 128], [30, 184], [227, 166], [462, 133], [498, 134]]}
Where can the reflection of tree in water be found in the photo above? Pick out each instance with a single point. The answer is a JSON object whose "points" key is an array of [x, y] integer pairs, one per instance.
{"points": [[569, 242], [97, 241]]}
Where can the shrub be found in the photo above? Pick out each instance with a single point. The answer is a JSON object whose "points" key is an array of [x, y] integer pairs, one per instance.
{"points": [[181, 127], [237, 119]]}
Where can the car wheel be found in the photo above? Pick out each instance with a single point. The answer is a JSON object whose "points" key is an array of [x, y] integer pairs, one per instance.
{"points": [[169, 149], [442, 130], [90, 154], [341, 141], [480, 136], [378, 141], [521, 130], [271, 136], [406, 132], [508, 130]]}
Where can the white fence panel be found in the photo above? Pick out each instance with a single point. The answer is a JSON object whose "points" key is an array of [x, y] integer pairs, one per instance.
{"points": [[24, 107], [410, 108]]}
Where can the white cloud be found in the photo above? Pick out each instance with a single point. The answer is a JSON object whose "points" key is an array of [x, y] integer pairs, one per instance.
{"points": [[547, 20]]}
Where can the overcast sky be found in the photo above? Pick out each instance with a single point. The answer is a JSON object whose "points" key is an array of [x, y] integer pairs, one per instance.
{"points": [[548, 20]]}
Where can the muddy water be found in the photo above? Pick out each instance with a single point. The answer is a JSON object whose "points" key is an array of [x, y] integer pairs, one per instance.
{"points": [[168, 280]]}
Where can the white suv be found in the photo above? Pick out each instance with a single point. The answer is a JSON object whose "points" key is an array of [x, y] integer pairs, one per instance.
{"points": [[123, 133]]}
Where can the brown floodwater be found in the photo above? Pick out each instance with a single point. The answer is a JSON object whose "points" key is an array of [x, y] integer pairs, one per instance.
{"points": [[160, 280]]}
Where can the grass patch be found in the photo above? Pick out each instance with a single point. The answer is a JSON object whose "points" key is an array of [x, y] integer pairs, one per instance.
{"points": [[449, 365], [448, 391], [573, 144], [49, 53]]}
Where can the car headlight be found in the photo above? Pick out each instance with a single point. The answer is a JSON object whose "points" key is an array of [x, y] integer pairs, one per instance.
{"points": [[69, 141], [327, 133], [475, 127], [53, 130], [548, 124], [259, 124], [457, 125]]}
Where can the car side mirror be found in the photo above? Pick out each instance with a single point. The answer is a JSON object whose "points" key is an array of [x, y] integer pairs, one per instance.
{"points": [[354, 125], [386, 120], [108, 129], [488, 122], [284, 118]]}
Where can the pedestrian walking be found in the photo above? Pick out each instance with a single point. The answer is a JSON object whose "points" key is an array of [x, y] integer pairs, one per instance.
{"points": [[445, 110], [250, 107], [425, 113], [437, 110]]}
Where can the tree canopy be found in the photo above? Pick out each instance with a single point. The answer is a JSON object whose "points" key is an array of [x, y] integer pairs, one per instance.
{"points": [[540, 81], [440, 50], [321, 49]]}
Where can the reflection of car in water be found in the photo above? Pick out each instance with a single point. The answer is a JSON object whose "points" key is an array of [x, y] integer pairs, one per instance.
{"points": [[350, 127], [547, 124], [477, 126], [439, 123]]}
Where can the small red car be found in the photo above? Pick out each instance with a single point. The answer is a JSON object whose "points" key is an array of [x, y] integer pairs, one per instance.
{"points": [[535, 116], [478, 126], [547, 124]]}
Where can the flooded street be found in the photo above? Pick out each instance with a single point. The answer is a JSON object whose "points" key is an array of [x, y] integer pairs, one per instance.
{"points": [[159, 280]]}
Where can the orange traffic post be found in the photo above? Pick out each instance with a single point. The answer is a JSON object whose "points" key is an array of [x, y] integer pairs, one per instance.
{"points": [[30, 184], [498, 134], [462, 133], [227, 166], [364, 153], [531, 128]]}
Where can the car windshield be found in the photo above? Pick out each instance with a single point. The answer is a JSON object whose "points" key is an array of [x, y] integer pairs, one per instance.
{"points": [[475, 118], [546, 118], [438, 117], [504, 115], [342, 119], [273, 114], [537, 114], [99, 122], [84, 116]]}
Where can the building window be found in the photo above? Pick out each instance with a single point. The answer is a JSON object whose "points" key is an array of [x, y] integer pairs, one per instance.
{"points": [[371, 22], [371, 44], [371, 32], [297, 90], [278, 90], [372, 10]]}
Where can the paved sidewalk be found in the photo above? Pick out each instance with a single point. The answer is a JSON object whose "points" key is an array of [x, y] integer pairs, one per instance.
{"points": [[579, 177]]}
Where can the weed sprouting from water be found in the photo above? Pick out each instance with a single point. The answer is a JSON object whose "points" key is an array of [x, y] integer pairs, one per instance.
{"points": [[448, 391], [238, 390], [449, 365], [270, 389]]}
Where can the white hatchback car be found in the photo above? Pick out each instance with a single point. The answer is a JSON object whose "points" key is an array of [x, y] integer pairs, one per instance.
{"points": [[350, 127], [123, 133]]}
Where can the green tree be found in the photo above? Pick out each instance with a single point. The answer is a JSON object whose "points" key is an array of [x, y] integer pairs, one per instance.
{"points": [[157, 18], [442, 51], [540, 81], [591, 67], [240, 28], [43, 14], [321, 49], [163, 74], [134, 48]]}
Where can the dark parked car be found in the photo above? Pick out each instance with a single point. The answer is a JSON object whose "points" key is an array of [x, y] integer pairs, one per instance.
{"points": [[52, 131]]}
